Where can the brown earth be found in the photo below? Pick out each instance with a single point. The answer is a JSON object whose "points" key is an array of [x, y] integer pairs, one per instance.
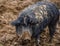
{"points": [[9, 10]]}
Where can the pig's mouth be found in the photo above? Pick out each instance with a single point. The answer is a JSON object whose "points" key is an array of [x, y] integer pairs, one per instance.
{"points": [[24, 42]]}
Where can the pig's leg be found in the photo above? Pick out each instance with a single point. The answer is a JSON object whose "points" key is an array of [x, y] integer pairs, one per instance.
{"points": [[36, 35], [52, 28], [37, 40]]}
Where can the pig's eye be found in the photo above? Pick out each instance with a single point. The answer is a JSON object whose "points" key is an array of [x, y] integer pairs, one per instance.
{"points": [[33, 21]]}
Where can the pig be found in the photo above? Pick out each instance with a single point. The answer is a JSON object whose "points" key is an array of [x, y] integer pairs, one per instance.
{"points": [[33, 19]]}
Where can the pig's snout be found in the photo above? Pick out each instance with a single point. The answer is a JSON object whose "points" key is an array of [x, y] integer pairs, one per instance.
{"points": [[26, 41], [26, 37]]}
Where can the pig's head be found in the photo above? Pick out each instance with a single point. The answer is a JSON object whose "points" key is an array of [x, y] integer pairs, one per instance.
{"points": [[24, 27]]}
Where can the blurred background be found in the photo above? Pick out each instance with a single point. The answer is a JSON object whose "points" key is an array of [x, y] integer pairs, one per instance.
{"points": [[9, 10]]}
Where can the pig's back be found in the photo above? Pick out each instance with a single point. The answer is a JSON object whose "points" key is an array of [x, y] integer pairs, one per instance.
{"points": [[41, 11]]}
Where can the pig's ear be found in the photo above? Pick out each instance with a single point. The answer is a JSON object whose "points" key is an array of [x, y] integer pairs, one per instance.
{"points": [[16, 22]]}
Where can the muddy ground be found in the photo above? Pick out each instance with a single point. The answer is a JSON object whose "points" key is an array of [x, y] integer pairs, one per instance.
{"points": [[9, 10]]}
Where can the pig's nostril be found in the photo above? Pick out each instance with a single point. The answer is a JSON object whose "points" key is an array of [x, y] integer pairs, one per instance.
{"points": [[27, 41]]}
